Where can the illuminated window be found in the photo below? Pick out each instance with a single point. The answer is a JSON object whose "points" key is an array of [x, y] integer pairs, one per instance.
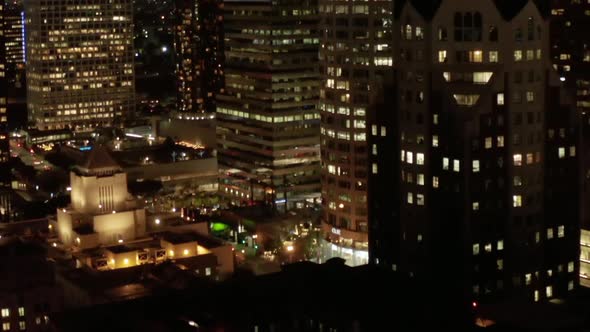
{"points": [[419, 199], [456, 165], [570, 285], [500, 99], [435, 182], [500, 141], [549, 291], [500, 245], [493, 56], [518, 55], [442, 56], [22, 325], [5, 312], [21, 311], [537, 297], [517, 181], [570, 267], [528, 278], [500, 264], [476, 249], [446, 164], [435, 141], [207, 271], [475, 206], [410, 198], [410, 157], [488, 143], [375, 168], [572, 151], [561, 153], [560, 231], [475, 166], [516, 200], [420, 179], [530, 96], [5, 326], [420, 158], [517, 158], [549, 233], [529, 158]]}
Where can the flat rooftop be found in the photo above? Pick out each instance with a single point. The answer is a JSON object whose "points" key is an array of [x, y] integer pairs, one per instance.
{"points": [[120, 249]]}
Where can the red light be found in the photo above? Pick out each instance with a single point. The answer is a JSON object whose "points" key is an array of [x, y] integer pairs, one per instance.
{"points": [[474, 304]]}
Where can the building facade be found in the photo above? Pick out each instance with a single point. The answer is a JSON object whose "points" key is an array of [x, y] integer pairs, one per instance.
{"points": [[487, 152], [268, 121], [357, 58], [198, 41], [570, 52], [80, 72], [4, 140], [14, 31]]}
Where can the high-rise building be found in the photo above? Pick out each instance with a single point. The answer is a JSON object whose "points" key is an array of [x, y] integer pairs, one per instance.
{"points": [[487, 148], [268, 121], [14, 33], [80, 71], [357, 59], [570, 52], [4, 146], [199, 54]]}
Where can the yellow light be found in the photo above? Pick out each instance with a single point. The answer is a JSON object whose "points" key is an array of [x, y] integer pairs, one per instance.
{"points": [[78, 240], [185, 252], [290, 248], [113, 261], [171, 252], [126, 261], [50, 226], [157, 221]]}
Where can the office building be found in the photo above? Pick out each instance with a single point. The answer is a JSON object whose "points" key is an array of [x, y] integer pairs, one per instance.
{"points": [[79, 63], [4, 143], [570, 52], [357, 59], [268, 121], [199, 54], [488, 152], [14, 32]]}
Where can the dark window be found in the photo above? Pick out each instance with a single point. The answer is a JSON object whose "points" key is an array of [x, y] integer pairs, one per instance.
{"points": [[493, 33]]}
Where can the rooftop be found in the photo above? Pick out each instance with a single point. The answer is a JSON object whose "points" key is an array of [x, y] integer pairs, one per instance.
{"points": [[507, 8], [119, 249]]}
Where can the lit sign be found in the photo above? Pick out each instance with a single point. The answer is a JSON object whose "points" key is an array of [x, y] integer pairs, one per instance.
{"points": [[335, 231], [86, 148]]}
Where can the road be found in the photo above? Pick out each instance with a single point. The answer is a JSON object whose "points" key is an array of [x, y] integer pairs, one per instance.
{"points": [[28, 158]]}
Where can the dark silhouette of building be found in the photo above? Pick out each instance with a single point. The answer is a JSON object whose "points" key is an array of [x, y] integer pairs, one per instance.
{"points": [[570, 52], [487, 147], [199, 54]]}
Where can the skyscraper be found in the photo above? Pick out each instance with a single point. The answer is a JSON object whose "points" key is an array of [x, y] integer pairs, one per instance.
{"points": [[79, 63], [357, 59], [268, 121], [487, 152], [14, 32], [199, 54], [570, 52], [4, 146]]}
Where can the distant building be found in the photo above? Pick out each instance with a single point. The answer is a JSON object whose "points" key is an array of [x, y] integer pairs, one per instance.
{"points": [[80, 72], [102, 211], [14, 32], [107, 229], [356, 58], [198, 41], [4, 139], [267, 117]]}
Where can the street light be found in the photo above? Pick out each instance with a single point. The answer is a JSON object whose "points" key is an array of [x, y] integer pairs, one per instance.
{"points": [[290, 248]]}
